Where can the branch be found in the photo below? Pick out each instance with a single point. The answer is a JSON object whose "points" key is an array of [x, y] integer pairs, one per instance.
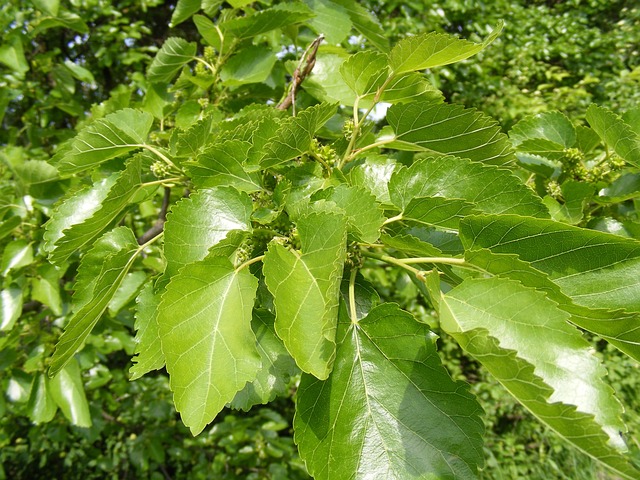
{"points": [[299, 75], [156, 228]]}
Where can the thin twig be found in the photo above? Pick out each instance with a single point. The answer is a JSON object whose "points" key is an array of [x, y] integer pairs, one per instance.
{"points": [[157, 227], [301, 73]]}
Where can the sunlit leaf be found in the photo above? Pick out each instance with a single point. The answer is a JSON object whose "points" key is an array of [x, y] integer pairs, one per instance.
{"points": [[616, 133], [449, 129], [433, 49], [67, 390], [306, 289], [204, 322], [353, 425], [116, 251], [524, 340]]}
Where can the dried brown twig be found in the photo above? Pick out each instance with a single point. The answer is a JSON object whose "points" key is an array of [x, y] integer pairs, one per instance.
{"points": [[300, 73]]}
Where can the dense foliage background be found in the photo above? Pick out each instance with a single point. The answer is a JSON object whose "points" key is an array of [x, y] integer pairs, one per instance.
{"points": [[63, 63]]}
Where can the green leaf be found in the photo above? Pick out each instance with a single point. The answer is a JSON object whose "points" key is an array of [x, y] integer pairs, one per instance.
{"points": [[524, 340], [330, 19], [632, 118], [76, 209], [183, 11], [190, 142], [365, 72], [196, 224], [175, 53], [208, 31], [9, 225], [364, 215], [277, 367], [17, 254], [552, 126], [354, 426], [575, 197], [438, 211], [615, 133], [374, 174], [46, 287], [251, 65], [410, 245], [616, 327], [148, 354], [365, 23], [96, 284], [595, 269], [278, 16], [204, 322], [41, 406], [117, 133], [325, 82], [221, 164], [73, 226], [487, 188], [625, 187], [127, 291], [449, 129], [433, 49], [293, 137], [12, 55], [306, 290], [67, 391], [10, 307]]}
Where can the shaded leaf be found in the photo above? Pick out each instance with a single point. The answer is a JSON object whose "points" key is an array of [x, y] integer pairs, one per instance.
{"points": [[433, 49], [449, 129], [204, 322], [524, 340], [277, 365], [306, 289], [251, 65], [353, 426], [330, 19], [41, 406]]}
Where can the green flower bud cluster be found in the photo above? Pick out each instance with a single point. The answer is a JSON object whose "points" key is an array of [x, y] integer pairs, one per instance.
{"points": [[348, 129], [554, 190], [245, 250], [209, 54], [324, 152], [573, 156], [160, 169], [201, 69]]}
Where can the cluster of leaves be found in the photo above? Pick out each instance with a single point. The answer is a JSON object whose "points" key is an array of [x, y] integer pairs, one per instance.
{"points": [[241, 232]]}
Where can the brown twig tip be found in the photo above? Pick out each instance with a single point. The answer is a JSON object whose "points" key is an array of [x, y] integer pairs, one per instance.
{"points": [[300, 73]]}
